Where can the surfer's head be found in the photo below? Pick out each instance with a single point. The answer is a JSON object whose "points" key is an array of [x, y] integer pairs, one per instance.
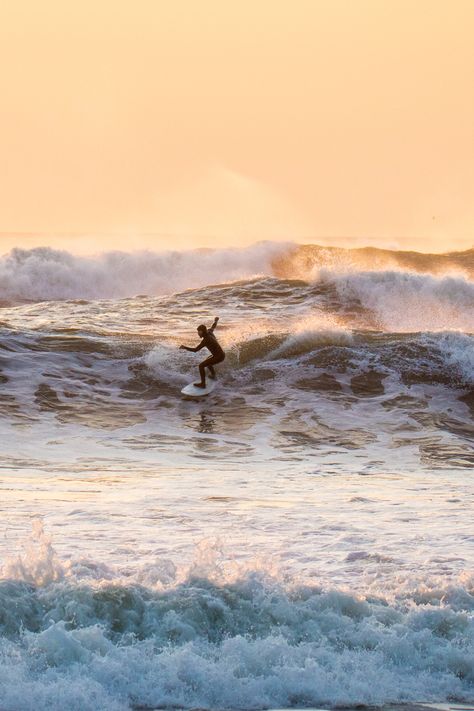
{"points": [[202, 331]]}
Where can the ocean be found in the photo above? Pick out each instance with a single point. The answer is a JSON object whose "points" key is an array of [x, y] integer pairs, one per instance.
{"points": [[303, 537]]}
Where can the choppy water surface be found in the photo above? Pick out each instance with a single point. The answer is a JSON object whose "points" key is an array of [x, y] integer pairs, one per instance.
{"points": [[301, 537]]}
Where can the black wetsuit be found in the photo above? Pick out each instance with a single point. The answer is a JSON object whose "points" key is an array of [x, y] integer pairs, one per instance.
{"points": [[211, 343]]}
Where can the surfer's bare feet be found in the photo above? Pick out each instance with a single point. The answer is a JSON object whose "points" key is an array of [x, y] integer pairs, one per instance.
{"points": [[200, 385], [211, 376]]}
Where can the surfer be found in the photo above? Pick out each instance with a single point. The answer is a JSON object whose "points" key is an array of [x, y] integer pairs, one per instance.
{"points": [[209, 341]]}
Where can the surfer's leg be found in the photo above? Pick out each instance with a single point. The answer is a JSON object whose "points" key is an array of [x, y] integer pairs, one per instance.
{"points": [[202, 372], [210, 363], [212, 372]]}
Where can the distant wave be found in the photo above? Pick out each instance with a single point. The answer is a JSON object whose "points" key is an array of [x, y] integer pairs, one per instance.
{"points": [[403, 301], [305, 261], [48, 274]]}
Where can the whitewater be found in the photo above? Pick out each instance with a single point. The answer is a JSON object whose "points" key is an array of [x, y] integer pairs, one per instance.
{"points": [[300, 538]]}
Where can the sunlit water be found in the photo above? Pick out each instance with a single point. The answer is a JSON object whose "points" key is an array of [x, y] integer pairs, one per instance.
{"points": [[303, 536]]}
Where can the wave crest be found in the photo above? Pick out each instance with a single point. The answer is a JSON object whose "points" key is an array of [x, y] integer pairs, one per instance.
{"points": [[49, 274], [408, 302]]}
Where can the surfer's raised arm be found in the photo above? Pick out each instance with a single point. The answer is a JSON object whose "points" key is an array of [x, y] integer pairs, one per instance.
{"points": [[210, 330]]}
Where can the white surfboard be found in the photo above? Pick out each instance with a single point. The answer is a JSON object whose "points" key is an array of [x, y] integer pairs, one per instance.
{"points": [[192, 391]]}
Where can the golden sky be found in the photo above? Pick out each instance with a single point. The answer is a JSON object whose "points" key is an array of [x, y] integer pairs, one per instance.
{"points": [[228, 121]]}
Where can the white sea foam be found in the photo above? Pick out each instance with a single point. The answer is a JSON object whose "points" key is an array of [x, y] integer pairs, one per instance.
{"points": [[403, 301], [457, 350], [44, 273], [39, 564], [210, 639], [163, 362]]}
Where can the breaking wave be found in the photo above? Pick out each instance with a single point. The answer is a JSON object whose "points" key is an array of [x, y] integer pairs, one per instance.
{"points": [[49, 274], [210, 636], [409, 302]]}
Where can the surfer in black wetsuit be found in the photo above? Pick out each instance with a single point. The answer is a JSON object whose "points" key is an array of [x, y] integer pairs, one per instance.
{"points": [[210, 342]]}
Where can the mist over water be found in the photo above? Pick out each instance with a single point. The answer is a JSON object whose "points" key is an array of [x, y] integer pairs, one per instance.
{"points": [[302, 537]]}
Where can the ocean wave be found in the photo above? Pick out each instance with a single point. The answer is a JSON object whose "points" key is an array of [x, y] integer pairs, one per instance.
{"points": [[307, 341], [307, 260], [457, 351], [83, 365], [207, 638], [49, 274], [408, 302]]}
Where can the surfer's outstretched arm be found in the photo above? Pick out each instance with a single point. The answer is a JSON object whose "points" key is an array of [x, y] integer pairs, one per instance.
{"points": [[193, 350]]}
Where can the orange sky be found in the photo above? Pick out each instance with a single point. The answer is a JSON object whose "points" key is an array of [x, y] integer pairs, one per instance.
{"points": [[228, 121]]}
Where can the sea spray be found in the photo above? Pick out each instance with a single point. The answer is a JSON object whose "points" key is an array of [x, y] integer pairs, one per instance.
{"points": [[409, 302], [44, 273]]}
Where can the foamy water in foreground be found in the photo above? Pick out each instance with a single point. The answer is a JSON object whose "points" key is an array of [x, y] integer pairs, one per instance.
{"points": [[302, 537]]}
